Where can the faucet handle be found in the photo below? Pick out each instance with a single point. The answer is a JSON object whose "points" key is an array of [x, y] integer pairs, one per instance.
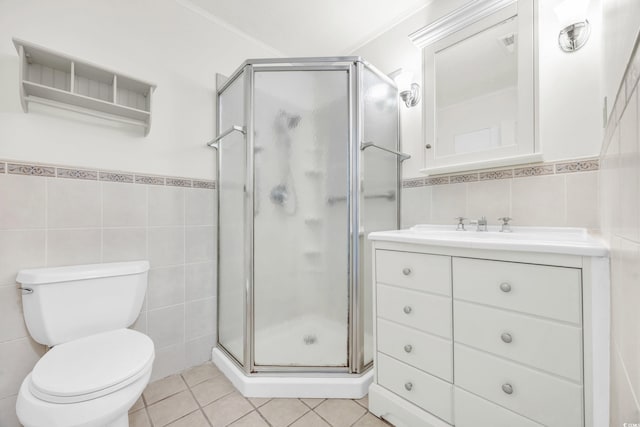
{"points": [[506, 227], [460, 220]]}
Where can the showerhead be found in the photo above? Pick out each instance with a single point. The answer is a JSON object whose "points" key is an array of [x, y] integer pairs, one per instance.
{"points": [[286, 121]]}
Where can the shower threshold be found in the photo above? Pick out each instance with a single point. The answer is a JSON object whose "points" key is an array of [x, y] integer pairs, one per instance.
{"points": [[292, 385]]}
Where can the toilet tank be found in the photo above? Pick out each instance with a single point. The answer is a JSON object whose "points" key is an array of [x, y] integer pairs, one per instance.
{"points": [[61, 304]]}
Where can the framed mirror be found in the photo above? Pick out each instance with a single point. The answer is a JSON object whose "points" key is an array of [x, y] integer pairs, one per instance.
{"points": [[479, 87]]}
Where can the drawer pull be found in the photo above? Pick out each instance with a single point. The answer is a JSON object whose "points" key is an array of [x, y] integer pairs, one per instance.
{"points": [[506, 337], [406, 271], [408, 348], [408, 386], [507, 388], [407, 309], [505, 287]]}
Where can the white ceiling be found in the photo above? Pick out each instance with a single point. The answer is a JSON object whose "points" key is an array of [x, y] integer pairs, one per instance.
{"points": [[308, 27]]}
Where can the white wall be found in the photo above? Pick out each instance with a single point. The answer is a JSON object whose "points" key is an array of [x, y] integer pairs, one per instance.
{"points": [[570, 115], [161, 41]]}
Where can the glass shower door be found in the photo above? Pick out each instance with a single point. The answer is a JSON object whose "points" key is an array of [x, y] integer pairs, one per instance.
{"points": [[232, 253], [301, 278], [379, 175]]}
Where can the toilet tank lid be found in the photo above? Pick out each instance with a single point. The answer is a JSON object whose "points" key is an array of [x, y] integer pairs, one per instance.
{"points": [[39, 276]]}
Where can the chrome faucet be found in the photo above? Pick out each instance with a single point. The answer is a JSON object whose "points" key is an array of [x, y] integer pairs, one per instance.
{"points": [[480, 223], [460, 226], [506, 227]]}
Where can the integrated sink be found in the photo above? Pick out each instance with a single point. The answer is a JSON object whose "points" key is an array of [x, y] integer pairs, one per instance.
{"points": [[574, 241]]}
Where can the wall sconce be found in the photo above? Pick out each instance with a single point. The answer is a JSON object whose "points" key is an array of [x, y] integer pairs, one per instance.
{"points": [[409, 91], [572, 14]]}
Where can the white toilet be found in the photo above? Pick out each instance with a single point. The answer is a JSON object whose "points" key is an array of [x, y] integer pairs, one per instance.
{"points": [[97, 368]]}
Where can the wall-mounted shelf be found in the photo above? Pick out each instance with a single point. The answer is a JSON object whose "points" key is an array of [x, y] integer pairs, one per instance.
{"points": [[59, 80]]}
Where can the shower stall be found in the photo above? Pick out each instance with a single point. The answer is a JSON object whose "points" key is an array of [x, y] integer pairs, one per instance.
{"points": [[308, 165]]}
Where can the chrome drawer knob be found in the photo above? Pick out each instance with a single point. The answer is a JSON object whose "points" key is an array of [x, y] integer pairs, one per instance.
{"points": [[505, 287], [506, 337], [408, 348], [408, 386], [507, 388], [407, 309], [406, 271]]}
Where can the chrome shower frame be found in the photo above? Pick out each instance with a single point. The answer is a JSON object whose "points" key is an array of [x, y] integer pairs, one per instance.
{"points": [[355, 67]]}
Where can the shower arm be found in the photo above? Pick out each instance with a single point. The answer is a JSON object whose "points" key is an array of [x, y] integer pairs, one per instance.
{"points": [[402, 156], [235, 128]]}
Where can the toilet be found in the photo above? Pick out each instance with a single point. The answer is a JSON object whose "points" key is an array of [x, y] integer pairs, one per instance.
{"points": [[96, 368]]}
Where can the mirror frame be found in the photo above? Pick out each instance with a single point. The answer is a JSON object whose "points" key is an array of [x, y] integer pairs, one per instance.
{"points": [[451, 29]]}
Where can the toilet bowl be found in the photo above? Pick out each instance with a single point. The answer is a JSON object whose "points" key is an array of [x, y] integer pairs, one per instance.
{"points": [[96, 369]]}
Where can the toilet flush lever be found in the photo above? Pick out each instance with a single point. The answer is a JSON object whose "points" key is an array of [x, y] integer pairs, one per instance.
{"points": [[26, 291]]}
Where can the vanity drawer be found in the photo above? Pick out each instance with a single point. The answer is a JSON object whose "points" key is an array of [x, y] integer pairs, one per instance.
{"points": [[473, 411], [552, 292], [546, 399], [543, 344], [426, 312], [426, 352], [426, 391], [422, 272]]}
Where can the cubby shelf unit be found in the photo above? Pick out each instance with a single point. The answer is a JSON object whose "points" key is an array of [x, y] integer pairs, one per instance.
{"points": [[59, 80]]}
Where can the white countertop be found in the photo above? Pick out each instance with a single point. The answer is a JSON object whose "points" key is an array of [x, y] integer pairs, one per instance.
{"points": [[558, 240]]}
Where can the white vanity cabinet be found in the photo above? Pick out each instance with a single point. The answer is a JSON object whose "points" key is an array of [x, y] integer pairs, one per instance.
{"points": [[475, 336]]}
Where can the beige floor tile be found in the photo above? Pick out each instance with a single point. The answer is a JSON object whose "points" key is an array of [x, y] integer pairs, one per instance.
{"points": [[138, 405], [312, 403], [163, 388], [364, 402], [258, 401], [310, 419], [200, 373], [224, 411], [282, 412], [340, 412], [252, 420], [194, 419], [212, 390], [172, 408], [139, 419], [371, 420]]}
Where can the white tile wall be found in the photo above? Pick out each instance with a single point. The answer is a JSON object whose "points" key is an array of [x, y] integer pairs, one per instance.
{"points": [[567, 199], [59, 221], [620, 211]]}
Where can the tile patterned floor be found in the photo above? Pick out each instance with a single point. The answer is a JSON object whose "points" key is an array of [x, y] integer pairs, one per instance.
{"points": [[203, 397]]}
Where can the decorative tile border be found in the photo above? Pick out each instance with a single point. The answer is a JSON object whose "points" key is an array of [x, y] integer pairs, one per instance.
{"points": [[211, 185], [501, 174], [413, 182], [533, 171], [116, 177], [51, 171], [585, 165], [469, 177], [76, 174], [438, 180], [178, 182], [35, 170]]}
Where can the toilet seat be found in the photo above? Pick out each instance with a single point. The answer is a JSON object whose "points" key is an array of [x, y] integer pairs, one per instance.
{"points": [[91, 367]]}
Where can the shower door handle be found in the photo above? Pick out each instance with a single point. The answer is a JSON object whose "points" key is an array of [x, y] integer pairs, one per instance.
{"points": [[235, 128], [403, 156]]}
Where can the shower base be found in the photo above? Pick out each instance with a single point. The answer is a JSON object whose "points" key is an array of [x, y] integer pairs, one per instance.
{"points": [[291, 385], [311, 340]]}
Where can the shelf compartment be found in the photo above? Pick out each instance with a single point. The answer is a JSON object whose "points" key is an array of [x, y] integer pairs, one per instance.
{"points": [[93, 82], [61, 81]]}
